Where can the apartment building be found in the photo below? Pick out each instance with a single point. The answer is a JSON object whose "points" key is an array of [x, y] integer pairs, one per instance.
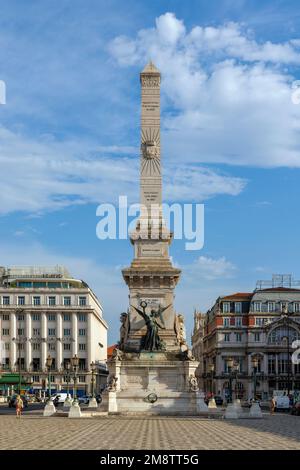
{"points": [[261, 325], [45, 311]]}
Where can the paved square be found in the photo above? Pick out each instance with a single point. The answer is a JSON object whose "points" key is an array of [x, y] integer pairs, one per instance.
{"points": [[35, 432]]}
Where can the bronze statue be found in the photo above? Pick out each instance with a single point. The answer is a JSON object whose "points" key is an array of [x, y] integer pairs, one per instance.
{"points": [[152, 341]]}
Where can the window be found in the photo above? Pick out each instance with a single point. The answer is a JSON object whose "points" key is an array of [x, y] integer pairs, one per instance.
{"points": [[82, 317], [51, 331], [226, 307], [20, 347], [36, 346], [67, 347], [297, 307], [238, 337], [51, 346], [81, 378], [82, 301], [7, 346], [51, 317], [35, 378], [257, 306], [238, 321], [5, 331], [21, 300], [21, 317], [5, 300], [271, 364], [81, 331], [67, 301], [226, 321], [238, 307], [82, 346], [271, 306], [36, 300], [256, 337], [36, 331], [227, 337], [67, 317], [259, 321], [5, 317], [81, 364], [51, 300], [36, 317], [67, 332], [21, 331]]}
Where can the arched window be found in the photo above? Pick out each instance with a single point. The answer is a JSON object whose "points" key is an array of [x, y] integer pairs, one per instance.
{"points": [[280, 334]]}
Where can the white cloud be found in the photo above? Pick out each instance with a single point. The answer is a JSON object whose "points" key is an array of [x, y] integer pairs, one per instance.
{"points": [[45, 174], [209, 269], [231, 93]]}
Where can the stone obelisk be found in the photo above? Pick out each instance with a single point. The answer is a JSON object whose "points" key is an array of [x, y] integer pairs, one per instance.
{"points": [[151, 278], [151, 370]]}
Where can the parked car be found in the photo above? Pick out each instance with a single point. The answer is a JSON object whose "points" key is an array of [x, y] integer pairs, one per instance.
{"points": [[84, 399], [12, 401], [282, 402], [295, 410], [59, 398]]}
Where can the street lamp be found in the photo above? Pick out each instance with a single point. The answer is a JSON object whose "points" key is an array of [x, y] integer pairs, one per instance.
{"points": [[211, 370], [75, 364], [254, 361], [67, 402], [93, 401], [230, 367], [75, 411], [211, 403], [49, 409], [285, 315], [49, 361]]}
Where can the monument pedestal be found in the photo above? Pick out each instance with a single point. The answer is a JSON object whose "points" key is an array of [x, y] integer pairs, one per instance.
{"points": [[153, 383], [75, 411]]}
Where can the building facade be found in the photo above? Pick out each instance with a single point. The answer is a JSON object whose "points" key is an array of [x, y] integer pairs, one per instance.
{"points": [[45, 311], [248, 327]]}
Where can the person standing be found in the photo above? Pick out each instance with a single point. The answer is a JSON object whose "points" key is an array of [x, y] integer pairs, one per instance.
{"points": [[272, 405], [19, 406]]}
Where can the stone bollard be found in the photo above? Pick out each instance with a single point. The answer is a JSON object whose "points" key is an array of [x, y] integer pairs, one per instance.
{"points": [[75, 411], [255, 411], [231, 412], [49, 409]]}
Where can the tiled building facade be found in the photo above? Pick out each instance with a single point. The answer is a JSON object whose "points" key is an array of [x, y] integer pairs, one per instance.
{"points": [[244, 326]]}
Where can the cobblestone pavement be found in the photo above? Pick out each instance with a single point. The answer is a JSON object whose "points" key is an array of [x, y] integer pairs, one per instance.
{"points": [[35, 432]]}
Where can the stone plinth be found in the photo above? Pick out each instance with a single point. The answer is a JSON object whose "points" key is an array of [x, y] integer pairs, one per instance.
{"points": [[75, 411], [153, 383], [255, 411], [231, 412], [49, 409]]}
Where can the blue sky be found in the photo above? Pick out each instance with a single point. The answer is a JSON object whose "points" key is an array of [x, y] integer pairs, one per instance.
{"points": [[69, 136]]}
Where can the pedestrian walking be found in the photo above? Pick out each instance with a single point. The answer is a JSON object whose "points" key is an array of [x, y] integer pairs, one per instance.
{"points": [[19, 406], [272, 405]]}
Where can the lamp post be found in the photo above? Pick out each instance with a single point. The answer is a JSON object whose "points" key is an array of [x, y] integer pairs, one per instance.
{"points": [[285, 315], [212, 402], [68, 401], [49, 409], [93, 401], [254, 361], [230, 367], [75, 364], [75, 411], [255, 411]]}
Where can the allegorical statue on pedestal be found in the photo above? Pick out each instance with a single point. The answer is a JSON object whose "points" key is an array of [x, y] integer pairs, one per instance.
{"points": [[151, 341]]}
